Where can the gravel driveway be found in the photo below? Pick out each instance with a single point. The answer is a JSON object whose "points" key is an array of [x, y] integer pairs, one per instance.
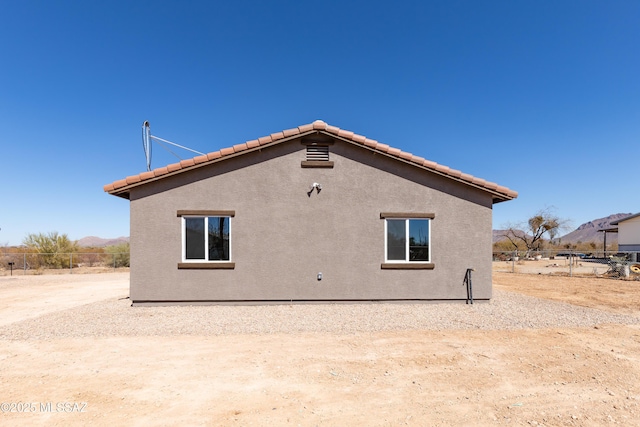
{"points": [[115, 317]]}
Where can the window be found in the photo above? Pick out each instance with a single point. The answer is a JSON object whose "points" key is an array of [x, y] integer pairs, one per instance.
{"points": [[407, 240], [212, 245], [206, 239]]}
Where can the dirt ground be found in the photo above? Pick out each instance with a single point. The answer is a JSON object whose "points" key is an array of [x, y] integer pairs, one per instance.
{"points": [[552, 377]]}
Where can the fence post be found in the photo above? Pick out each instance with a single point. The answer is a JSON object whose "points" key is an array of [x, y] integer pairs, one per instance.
{"points": [[70, 263], [114, 262], [571, 263], [24, 264]]}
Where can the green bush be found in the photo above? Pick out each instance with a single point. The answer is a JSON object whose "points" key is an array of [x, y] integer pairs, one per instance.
{"points": [[117, 255], [53, 249]]}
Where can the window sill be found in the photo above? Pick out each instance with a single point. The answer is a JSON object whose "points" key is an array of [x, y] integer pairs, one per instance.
{"points": [[316, 164], [206, 265], [407, 266]]}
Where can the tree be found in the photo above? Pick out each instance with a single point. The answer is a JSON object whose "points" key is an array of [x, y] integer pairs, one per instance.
{"points": [[531, 234], [54, 249]]}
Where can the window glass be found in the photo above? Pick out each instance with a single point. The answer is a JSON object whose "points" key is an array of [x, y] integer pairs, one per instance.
{"points": [[418, 240], [207, 238], [218, 238], [408, 240], [396, 239], [194, 238]]}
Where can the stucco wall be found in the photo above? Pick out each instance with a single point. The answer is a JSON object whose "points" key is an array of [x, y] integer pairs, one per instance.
{"points": [[281, 237], [629, 233]]}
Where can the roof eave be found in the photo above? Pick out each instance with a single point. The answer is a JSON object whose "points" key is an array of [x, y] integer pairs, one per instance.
{"points": [[124, 191], [498, 197], [625, 219], [123, 187]]}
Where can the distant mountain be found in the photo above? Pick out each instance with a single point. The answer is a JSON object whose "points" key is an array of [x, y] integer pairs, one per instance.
{"points": [[99, 242], [588, 232]]}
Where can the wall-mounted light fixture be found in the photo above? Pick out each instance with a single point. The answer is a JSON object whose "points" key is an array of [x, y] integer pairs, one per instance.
{"points": [[315, 185]]}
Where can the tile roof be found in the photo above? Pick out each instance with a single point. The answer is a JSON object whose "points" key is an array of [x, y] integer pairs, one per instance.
{"points": [[121, 187]]}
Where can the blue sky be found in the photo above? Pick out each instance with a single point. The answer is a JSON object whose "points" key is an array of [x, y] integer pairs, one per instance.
{"points": [[540, 96]]}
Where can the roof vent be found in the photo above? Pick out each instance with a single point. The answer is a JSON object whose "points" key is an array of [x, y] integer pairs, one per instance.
{"points": [[317, 153]]}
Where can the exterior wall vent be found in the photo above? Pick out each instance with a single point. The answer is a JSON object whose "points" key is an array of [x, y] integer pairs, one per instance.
{"points": [[317, 153]]}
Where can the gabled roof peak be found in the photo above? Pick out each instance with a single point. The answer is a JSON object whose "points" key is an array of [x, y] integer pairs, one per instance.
{"points": [[121, 187]]}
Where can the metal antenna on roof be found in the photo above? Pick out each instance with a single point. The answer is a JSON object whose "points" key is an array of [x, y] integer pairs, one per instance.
{"points": [[146, 144]]}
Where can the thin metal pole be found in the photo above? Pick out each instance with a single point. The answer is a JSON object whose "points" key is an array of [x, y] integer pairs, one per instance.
{"points": [[70, 263], [24, 264], [570, 263]]}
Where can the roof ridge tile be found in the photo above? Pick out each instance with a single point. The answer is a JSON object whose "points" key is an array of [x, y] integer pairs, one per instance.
{"points": [[319, 125]]}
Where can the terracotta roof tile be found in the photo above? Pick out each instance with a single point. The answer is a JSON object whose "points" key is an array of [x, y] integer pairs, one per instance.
{"points": [[361, 139], [394, 151], [417, 159], [317, 125], [253, 143], [429, 164], [345, 134], [404, 155], [200, 159], [290, 132], [264, 140], [276, 136], [442, 168], [478, 181], [146, 175], [160, 171], [239, 147], [491, 185], [174, 167], [214, 155], [455, 173], [505, 190], [227, 151], [382, 147]]}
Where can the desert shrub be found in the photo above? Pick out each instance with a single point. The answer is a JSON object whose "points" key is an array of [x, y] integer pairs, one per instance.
{"points": [[117, 255], [90, 256], [52, 249]]}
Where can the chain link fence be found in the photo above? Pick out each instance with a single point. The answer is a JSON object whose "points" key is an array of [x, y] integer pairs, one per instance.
{"points": [[39, 263], [616, 265]]}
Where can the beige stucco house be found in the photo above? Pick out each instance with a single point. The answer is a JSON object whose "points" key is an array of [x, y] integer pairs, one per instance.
{"points": [[310, 214], [628, 233]]}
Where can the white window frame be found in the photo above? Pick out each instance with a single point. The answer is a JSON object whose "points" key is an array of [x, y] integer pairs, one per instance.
{"points": [[206, 259], [407, 242]]}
